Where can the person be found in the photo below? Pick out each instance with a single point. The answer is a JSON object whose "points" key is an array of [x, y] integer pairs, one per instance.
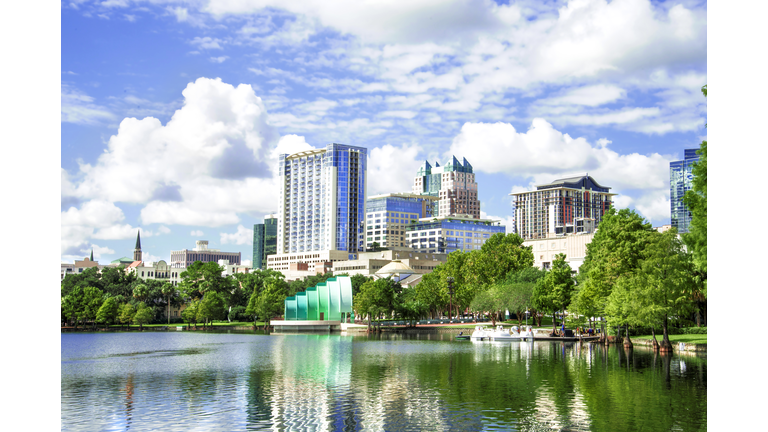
{"points": [[562, 329]]}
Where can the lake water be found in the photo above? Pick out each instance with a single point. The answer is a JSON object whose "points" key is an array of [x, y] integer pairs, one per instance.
{"points": [[190, 381]]}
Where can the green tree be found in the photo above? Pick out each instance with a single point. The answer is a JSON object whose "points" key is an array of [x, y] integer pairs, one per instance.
{"points": [[126, 314], [623, 306], [200, 278], [487, 301], [499, 255], [169, 291], [189, 314], [615, 251], [211, 307], [665, 282], [107, 313], [696, 201], [357, 281], [72, 304], [553, 292], [516, 291], [141, 291], [270, 302], [376, 298], [92, 300], [143, 315]]}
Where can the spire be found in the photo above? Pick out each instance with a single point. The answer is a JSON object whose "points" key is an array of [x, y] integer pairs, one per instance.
{"points": [[137, 250], [91, 254]]}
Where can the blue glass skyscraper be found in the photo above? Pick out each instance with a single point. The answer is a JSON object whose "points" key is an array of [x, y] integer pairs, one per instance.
{"points": [[680, 181]]}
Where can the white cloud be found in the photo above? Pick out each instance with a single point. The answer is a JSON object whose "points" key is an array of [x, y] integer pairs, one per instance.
{"points": [[545, 154], [506, 221], [392, 169], [77, 225], [77, 107], [147, 257], [211, 161], [241, 237], [206, 42], [593, 95], [246, 263], [218, 59], [196, 233], [182, 14], [162, 229], [290, 144]]}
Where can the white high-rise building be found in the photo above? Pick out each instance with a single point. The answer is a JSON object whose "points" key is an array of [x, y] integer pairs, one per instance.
{"points": [[322, 200]]}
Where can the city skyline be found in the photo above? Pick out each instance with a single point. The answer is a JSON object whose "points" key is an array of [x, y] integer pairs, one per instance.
{"points": [[173, 115]]}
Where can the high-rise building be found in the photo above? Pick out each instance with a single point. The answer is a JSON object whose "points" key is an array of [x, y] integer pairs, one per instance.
{"points": [[387, 216], [681, 181], [565, 206], [322, 200], [448, 234], [454, 184], [264, 241]]}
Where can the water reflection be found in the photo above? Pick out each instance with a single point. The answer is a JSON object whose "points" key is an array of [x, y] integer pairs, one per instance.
{"points": [[376, 382]]}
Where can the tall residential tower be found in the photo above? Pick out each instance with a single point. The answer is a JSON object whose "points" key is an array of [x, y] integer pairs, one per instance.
{"points": [[565, 206], [322, 200], [264, 241]]}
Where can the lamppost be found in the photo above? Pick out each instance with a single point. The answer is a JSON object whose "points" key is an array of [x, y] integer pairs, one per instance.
{"points": [[449, 279]]}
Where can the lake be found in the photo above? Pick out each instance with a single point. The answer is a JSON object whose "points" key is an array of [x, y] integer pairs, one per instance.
{"points": [[188, 381]]}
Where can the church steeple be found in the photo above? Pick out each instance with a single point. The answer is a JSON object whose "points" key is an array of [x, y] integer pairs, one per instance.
{"points": [[137, 249], [91, 254]]}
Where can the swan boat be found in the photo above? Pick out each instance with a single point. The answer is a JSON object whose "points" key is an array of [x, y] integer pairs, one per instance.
{"points": [[480, 333], [514, 333]]}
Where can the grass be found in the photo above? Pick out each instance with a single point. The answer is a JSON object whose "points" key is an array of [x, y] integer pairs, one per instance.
{"points": [[686, 338], [199, 325]]}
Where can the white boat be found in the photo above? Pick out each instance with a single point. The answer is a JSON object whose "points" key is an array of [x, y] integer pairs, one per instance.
{"points": [[480, 333], [514, 333]]}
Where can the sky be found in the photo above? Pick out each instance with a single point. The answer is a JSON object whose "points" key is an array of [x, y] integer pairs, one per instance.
{"points": [[173, 113]]}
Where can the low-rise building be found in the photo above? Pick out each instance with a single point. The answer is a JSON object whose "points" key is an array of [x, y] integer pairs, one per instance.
{"points": [[448, 234], [184, 258], [574, 246], [369, 263]]}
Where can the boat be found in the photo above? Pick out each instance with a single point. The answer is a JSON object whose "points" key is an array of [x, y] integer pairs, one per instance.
{"points": [[514, 333], [480, 333], [462, 336]]}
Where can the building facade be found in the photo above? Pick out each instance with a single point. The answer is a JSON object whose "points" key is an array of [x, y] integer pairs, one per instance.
{"points": [[454, 184], [449, 234], [565, 206], [387, 216], [264, 241], [681, 181], [368, 263], [322, 200], [574, 246], [185, 258]]}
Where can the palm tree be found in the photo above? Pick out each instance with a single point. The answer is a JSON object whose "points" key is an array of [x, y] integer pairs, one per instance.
{"points": [[168, 291]]}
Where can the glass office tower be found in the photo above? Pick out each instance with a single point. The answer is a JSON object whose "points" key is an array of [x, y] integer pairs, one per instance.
{"points": [[680, 181], [264, 241], [388, 215]]}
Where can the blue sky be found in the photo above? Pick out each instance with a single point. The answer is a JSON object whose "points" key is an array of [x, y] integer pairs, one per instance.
{"points": [[173, 112]]}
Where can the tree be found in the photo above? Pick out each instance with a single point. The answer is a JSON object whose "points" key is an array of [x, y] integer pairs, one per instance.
{"points": [[107, 313], [615, 251], [270, 302], [168, 291], [189, 314], [696, 201], [72, 304], [92, 300], [126, 313], [141, 292], [357, 281], [376, 298], [375, 247], [553, 292], [143, 315], [499, 255], [200, 278], [665, 282], [211, 307], [516, 290], [623, 306], [487, 301]]}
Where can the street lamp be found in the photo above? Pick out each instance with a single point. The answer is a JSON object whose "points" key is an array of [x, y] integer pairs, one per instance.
{"points": [[449, 279]]}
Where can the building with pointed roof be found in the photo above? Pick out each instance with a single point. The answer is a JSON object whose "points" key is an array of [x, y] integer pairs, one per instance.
{"points": [[569, 205], [137, 249], [453, 183]]}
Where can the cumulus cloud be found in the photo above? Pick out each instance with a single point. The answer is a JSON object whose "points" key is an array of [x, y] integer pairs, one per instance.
{"points": [[507, 221], [392, 168], [193, 170], [196, 233], [544, 154], [241, 237]]}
